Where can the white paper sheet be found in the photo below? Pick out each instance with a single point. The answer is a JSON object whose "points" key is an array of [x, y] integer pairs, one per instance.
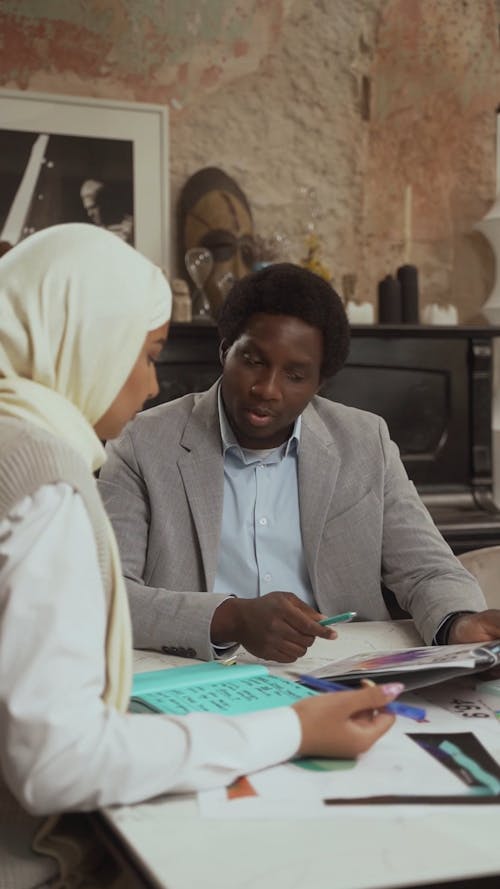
{"points": [[395, 766]]}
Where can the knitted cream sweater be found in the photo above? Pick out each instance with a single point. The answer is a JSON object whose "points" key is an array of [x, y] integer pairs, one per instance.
{"points": [[30, 458]]}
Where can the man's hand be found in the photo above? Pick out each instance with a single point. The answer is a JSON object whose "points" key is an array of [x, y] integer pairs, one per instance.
{"points": [[345, 723], [481, 627], [277, 627]]}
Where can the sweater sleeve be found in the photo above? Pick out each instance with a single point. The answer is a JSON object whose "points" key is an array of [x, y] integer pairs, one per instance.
{"points": [[61, 747]]}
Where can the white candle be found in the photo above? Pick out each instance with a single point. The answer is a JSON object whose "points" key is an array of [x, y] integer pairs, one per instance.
{"points": [[407, 221], [359, 313], [498, 154], [434, 313]]}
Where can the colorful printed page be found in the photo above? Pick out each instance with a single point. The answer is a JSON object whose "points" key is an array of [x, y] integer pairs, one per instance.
{"points": [[213, 688], [416, 667], [445, 759], [419, 771]]}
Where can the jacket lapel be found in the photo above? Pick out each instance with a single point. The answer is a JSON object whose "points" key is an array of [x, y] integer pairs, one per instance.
{"points": [[202, 470], [319, 464]]}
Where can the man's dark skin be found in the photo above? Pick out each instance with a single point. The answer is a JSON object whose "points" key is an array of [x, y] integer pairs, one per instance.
{"points": [[270, 373]]}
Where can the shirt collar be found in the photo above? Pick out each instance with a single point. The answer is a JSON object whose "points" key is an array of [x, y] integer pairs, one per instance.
{"points": [[229, 439]]}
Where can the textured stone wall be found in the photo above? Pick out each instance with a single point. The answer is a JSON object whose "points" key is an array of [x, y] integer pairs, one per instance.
{"points": [[364, 100], [436, 81]]}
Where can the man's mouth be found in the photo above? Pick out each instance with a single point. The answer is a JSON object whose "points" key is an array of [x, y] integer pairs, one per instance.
{"points": [[259, 416]]}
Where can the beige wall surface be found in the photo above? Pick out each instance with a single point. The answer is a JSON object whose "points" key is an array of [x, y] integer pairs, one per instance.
{"points": [[385, 107]]}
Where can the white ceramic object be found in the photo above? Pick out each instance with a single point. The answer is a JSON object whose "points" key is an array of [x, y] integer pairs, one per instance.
{"points": [[489, 226]]}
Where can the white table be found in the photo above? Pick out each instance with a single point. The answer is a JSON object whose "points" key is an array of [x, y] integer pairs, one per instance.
{"points": [[177, 849]]}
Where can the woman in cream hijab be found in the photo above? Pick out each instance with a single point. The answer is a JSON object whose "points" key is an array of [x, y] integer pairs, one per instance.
{"points": [[83, 317]]}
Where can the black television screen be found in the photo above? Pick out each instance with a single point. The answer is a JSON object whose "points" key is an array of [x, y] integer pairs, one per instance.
{"points": [[421, 387]]}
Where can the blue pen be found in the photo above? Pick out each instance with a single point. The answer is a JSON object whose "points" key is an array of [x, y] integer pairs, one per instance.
{"points": [[395, 707]]}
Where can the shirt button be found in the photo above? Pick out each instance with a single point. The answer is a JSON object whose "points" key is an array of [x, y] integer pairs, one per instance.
{"points": [[263, 521], [267, 577]]}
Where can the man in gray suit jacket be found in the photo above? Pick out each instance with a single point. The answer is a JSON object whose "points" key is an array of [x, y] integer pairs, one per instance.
{"points": [[247, 513]]}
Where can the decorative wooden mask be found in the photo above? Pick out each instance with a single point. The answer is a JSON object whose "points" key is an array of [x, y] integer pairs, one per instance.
{"points": [[213, 212]]}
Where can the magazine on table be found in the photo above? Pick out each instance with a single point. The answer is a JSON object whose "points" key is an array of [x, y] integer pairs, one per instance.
{"points": [[416, 667]]}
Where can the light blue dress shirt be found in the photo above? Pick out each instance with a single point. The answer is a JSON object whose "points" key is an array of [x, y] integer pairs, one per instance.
{"points": [[261, 542]]}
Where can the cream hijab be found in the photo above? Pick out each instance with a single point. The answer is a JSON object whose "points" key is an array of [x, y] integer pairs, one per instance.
{"points": [[76, 304]]}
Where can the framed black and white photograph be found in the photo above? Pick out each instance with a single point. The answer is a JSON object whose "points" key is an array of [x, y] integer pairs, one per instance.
{"points": [[68, 159]]}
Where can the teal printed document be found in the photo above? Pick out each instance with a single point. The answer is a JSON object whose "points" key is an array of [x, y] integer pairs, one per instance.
{"points": [[213, 688]]}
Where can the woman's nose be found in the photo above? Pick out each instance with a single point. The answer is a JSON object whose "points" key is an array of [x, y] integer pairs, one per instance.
{"points": [[153, 384]]}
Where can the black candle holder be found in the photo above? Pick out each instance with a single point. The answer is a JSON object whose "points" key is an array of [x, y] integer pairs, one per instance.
{"points": [[408, 280], [389, 301]]}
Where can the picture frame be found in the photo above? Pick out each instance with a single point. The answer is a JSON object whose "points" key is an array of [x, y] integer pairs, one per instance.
{"points": [[86, 132]]}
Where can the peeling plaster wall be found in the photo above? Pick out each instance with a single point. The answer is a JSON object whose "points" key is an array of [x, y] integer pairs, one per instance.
{"points": [[138, 50], [357, 98], [436, 87]]}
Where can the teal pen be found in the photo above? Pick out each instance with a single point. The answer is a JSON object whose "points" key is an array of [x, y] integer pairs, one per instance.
{"points": [[395, 707], [338, 618]]}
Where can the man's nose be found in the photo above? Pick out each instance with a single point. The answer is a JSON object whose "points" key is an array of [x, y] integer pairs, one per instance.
{"points": [[267, 385]]}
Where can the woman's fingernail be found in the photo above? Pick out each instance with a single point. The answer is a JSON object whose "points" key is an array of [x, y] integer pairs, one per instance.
{"points": [[393, 689]]}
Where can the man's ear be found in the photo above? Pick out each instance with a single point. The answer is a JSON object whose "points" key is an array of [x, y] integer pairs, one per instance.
{"points": [[223, 350]]}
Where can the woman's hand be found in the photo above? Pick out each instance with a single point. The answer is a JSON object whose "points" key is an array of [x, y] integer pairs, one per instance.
{"points": [[346, 723]]}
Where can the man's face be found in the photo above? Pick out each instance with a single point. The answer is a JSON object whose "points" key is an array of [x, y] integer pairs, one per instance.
{"points": [[270, 373], [88, 193], [92, 210], [221, 223]]}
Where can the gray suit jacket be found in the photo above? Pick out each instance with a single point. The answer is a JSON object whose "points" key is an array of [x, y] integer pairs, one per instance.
{"points": [[361, 520]]}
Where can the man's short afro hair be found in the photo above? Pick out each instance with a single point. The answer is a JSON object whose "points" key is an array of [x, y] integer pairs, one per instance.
{"points": [[286, 289]]}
